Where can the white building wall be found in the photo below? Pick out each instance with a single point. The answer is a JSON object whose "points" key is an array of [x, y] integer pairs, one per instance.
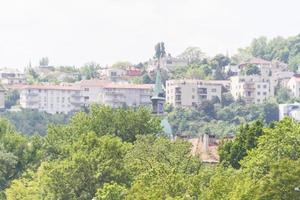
{"points": [[51, 100], [190, 92], [253, 89]]}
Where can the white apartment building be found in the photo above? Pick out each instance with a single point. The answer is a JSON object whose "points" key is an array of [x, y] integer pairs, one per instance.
{"points": [[115, 94], [51, 98], [252, 89], [191, 92], [12, 76], [294, 85]]}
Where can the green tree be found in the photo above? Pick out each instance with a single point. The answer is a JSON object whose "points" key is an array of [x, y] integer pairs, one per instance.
{"points": [[90, 70], [162, 168], [252, 70], [232, 152], [111, 191]]}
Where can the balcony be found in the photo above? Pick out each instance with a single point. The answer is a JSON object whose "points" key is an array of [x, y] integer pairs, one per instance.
{"points": [[76, 95], [114, 93], [32, 94], [76, 103], [249, 87], [202, 91]]}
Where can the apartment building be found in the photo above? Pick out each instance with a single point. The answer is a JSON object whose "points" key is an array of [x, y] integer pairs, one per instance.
{"points": [[51, 98], [294, 85], [252, 89], [12, 76], [115, 94], [191, 92]]}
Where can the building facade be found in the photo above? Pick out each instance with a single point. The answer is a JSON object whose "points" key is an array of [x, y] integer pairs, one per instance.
{"points": [[115, 94], [191, 92], [51, 98], [252, 89]]}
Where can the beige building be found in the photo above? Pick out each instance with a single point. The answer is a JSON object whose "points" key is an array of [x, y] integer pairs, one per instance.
{"points": [[191, 92], [252, 89], [294, 85], [115, 94], [51, 98]]}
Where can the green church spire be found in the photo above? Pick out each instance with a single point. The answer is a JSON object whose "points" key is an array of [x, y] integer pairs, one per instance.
{"points": [[158, 90]]}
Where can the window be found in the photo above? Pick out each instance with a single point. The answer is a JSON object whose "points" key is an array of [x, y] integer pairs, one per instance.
{"points": [[86, 89], [265, 86], [258, 93], [193, 97], [214, 90], [265, 93], [258, 86], [193, 89]]}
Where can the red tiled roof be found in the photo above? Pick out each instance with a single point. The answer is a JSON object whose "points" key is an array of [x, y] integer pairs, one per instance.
{"points": [[112, 85], [257, 61], [128, 86], [93, 82], [46, 87], [210, 156]]}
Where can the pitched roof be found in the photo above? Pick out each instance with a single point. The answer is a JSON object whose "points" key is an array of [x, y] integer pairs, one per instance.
{"points": [[47, 87], [112, 85], [257, 61], [128, 86], [211, 156], [158, 84]]}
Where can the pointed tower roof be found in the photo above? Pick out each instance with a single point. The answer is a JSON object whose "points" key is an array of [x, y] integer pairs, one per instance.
{"points": [[158, 90]]}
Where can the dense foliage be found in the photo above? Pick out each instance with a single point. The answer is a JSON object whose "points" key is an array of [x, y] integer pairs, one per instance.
{"points": [[220, 118], [286, 50], [112, 154], [33, 122]]}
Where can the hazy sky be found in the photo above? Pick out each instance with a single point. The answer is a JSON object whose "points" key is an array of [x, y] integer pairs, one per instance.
{"points": [[72, 32]]}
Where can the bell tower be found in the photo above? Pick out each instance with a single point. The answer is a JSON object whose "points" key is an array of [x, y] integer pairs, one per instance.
{"points": [[158, 98]]}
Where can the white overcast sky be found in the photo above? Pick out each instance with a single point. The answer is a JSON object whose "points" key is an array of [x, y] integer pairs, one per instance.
{"points": [[72, 32]]}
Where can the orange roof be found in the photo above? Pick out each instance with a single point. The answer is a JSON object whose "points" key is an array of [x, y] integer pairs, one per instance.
{"points": [[257, 61], [93, 82], [46, 87], [128, 86], [113, 85], [211, 156]]}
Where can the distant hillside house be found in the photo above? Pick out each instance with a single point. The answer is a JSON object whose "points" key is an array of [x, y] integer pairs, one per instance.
{"points": [[294, 85], [12, 76]]}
